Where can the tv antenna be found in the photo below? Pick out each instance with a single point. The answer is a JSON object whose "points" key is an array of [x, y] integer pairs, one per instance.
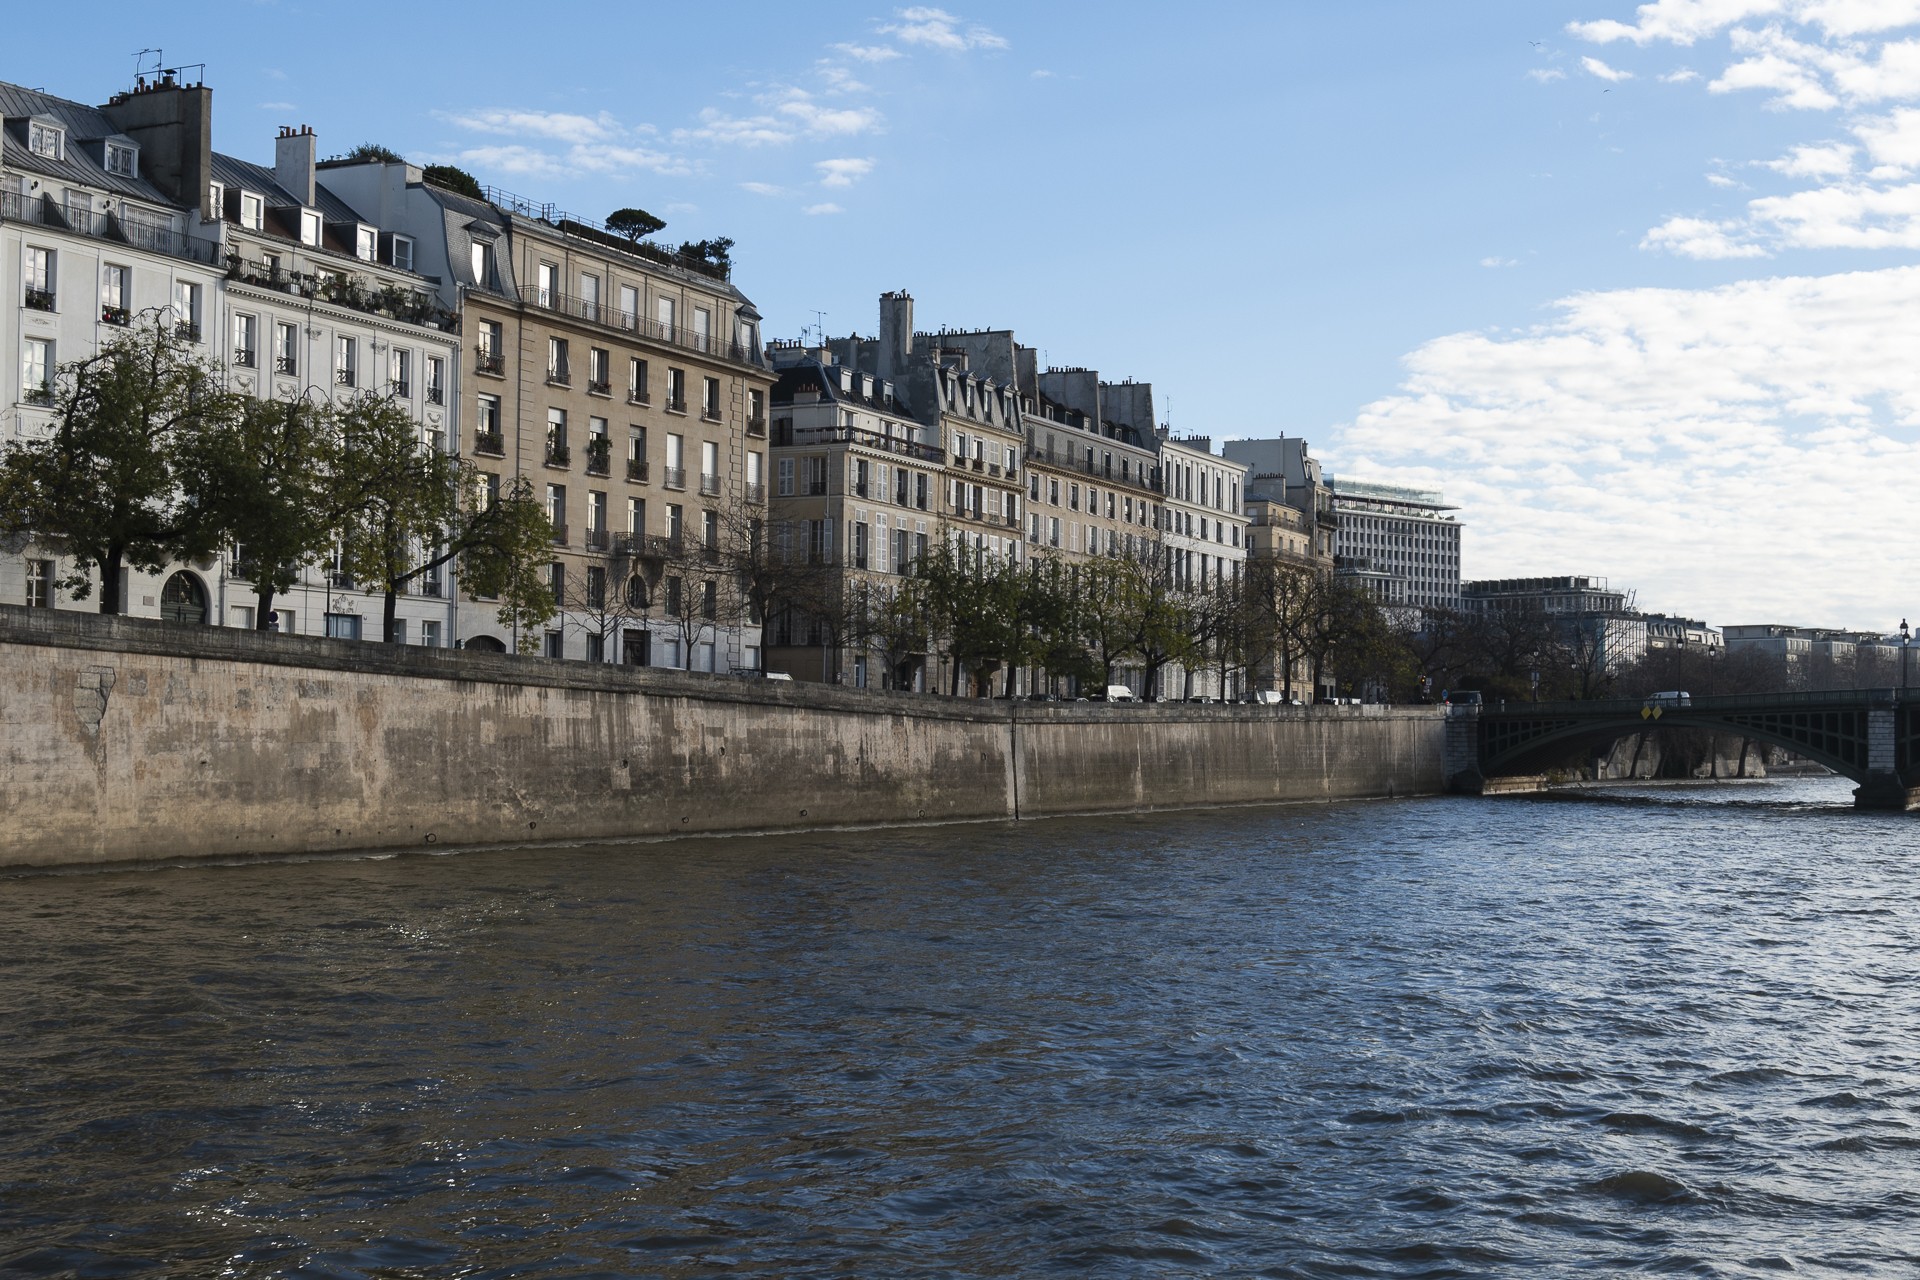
{"points": [[140, 67], [820, 327]]}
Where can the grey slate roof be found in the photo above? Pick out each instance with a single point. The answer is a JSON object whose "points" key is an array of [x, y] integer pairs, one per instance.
{"points": [[247, 176], [83, 124]]}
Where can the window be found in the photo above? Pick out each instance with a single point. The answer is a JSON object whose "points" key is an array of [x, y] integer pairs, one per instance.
{"points": [[710, 530], [637, 380], [710, 398], [629, 306], [555, 645], [709, 609], [546, 284], [664, 314], [677, 390], [557, 452], [702, 329], [483, 264], [366, 244], [599, 371], [860, 544], [309, 227], [400, 372], [636, 515], [816, 477], [491, 350], [39, 584], [346, 353], [676, 517], [487, 437], [709, 468], [402, 252], [45, 140], [557, 509], [676, 477], [673, 597], [246, 340], [252, 210], [590, 296], [36, 371], [114, 294], [430, 635], [343, 626], [784, 485], [286, 339], [557, 361], [436, 380], [40, 269], [186, 309]]}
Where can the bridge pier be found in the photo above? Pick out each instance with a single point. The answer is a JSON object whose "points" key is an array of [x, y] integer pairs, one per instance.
{"points": [[1883, 788], [1886, 791]]}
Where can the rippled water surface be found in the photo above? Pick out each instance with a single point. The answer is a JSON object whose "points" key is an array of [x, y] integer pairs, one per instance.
{"points": [[1666, 1030]]}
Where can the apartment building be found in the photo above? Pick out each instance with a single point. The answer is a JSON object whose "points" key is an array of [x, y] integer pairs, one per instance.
{"points": [[627, 383], [1094, 473], [1291, 524], [1399, 542], [96, 211], [856, 499], [1206, 533]]}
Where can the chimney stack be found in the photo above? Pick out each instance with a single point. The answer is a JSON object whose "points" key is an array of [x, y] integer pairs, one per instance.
{"points": [[896, 335], [293, 162], [173, 123]]}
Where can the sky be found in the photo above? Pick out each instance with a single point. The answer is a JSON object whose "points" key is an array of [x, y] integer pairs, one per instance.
{"points": [[1635, 286]]}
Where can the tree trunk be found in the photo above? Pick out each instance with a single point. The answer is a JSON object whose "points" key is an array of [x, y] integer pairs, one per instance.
{"points": [[110, 601], [389, 614], [263, 609]]}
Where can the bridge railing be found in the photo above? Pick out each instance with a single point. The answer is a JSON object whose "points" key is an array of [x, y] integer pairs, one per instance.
{"points": [[1711, 702]]}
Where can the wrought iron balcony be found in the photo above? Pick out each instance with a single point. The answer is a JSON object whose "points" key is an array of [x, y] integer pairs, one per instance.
{"points": [[243, 357], [599, 387], [559, 535], [489, 362], [187, 331], [436, 395], [756, 493], [599, 540], [286, 364], [676, 404], [757, 426], [676, 478], [39, 300], [490, 442], [638, 471], [680, 336], [558, 455], [116, 315], [709, 485]]}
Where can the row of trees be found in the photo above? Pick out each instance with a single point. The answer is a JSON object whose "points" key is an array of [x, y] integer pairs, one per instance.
{"points": [[152, 461]]}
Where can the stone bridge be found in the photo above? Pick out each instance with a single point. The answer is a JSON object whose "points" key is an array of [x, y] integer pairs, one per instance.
{"points": [[1870, 735]]}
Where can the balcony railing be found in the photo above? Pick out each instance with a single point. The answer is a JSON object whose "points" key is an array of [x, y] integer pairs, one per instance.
{"points": [[558, 455], [116, 315], [599, 387], [344, 377], [648, 546], [676, 404], [243, 357], [599, 458], [638, 471], [756, 493], [39, 300], [187, 331], [559, 378], [286, 364], [673, 335], [490, 442], [489, 362], [757, 425], [400, 388], [43, 211], [638, 396], [676, 478], [710, 412], [42, 394], [559, 535], [855, 435], [431, 588], [709, 485], [599, 540], [709, 553], [436, 395]]}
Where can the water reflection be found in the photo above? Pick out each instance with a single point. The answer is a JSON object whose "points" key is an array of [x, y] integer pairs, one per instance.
{"points": [[1665, 1029]]}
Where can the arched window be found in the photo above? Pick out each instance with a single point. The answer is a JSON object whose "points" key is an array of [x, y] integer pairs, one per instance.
{"points": [[183, 599], [485, 644]]}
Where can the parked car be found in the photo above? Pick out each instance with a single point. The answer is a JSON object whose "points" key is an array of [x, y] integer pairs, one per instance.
{"points": [[1463, 698], [1670, 698], [1205, 699]]}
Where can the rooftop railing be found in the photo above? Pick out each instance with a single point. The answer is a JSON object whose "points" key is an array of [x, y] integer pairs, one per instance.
{"points": [[680, 336], [43, 211]]}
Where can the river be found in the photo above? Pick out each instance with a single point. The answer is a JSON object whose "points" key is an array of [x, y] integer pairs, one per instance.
{"points": [[1664, 1029]]}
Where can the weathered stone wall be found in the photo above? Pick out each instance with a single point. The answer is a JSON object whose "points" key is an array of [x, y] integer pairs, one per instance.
{"points": [[123, 739]]}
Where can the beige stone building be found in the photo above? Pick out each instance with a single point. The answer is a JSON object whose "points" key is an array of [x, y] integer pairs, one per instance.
{"points": [[629, 386]]}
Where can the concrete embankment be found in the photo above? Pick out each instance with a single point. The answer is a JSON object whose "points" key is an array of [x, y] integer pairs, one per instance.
{"points": [[129, 740]]}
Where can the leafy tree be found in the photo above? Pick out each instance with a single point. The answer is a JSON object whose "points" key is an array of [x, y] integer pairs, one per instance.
{"points": [[407, 509], [717, 252], [635, 224], [1158, 614], [374, 151], [266, 479], [972, 602], [453, 179], [112, 485]]}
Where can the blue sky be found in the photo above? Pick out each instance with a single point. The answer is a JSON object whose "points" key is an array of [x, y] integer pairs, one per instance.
{"points": [[1635, 285]]}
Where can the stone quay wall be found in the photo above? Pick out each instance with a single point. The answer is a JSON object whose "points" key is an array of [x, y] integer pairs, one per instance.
{"points": [[125, 740]]}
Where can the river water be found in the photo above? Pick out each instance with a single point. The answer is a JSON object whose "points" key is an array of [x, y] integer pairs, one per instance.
{"points": [[1660, 1030]]}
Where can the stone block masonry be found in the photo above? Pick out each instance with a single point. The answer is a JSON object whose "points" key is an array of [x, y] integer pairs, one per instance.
{"points": [[128, 740]]}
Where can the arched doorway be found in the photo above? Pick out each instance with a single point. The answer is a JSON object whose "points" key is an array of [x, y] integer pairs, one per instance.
{"points": [[485, 644], [183, 599]]}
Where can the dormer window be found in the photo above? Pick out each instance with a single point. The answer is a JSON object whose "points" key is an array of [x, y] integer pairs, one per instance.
{"points": [[46, 140], [403, 252], [122, 159], [309, 227], [366, 244], [253, 211]]}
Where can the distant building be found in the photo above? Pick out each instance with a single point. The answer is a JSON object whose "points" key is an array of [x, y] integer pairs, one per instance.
{"points": [[1665, 631], [1399, 542], [1566, 594], [1819, 657]]}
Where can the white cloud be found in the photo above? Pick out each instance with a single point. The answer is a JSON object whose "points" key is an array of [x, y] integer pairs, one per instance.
{"points": [[938, 29], [789, 115], [1681, 76], [1595, 67], [763, 188], [1822, 160], [1721, 180], [842, 173], [279, 106], [1893, 141], [1699, 238], [1642, 421], [1499, 262], [1678, 21], [556, 125], [870, 52], [1546, 75], [828, 207], [1040, 73], [1847, 216]]}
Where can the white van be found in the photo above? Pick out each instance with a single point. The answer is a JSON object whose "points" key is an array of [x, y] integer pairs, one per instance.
{"points": [[1116, 693], [1670, 698]]}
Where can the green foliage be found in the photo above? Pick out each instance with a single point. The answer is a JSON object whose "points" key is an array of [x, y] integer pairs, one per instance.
{"points": [[116, 483], [717, 252], [374, 151], [634, 224], [453, 179], [266, 480]]}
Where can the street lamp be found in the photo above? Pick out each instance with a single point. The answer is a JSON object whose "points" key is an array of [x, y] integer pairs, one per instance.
{"points": [[1906, 639]]}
